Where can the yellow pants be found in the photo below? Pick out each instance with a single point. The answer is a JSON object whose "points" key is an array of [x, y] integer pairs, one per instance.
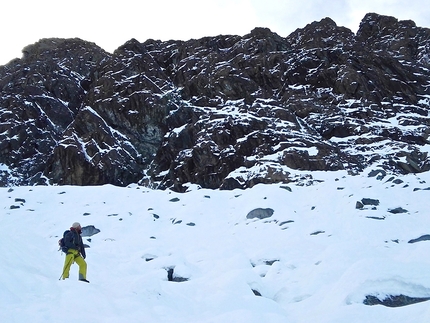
{"points": [[71, 257]]}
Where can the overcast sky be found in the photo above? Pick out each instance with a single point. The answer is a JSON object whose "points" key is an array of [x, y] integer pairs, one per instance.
{"points": [[109, 23]]}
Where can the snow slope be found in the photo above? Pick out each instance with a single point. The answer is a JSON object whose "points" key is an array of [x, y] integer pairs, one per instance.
{"points": [[314, 260]]}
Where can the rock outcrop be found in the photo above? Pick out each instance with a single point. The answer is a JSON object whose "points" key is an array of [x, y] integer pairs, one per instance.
{"points": [[221, 112]]}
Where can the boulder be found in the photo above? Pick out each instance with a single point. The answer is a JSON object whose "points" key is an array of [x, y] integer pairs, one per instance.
{"points": [[260, 213], [394, 300]]}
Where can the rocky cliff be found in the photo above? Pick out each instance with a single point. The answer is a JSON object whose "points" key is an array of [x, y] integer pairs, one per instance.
{"points": [[221, 112]]}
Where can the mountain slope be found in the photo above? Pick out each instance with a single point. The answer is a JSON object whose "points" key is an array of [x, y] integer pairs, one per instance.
{"points": [[221, 112], [195, 257]]}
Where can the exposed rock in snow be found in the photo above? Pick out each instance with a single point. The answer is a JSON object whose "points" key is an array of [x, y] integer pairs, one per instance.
{"points": [[260, 213]]}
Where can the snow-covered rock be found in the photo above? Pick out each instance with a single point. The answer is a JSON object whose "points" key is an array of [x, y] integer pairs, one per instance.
{"points": [[219, 112]]}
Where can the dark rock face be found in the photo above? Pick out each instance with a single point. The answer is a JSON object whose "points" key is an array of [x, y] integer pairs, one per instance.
{"points": [[221, 112], [41, 95]]}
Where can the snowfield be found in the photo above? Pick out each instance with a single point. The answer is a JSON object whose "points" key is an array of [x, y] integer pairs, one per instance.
{"points": [[195, 257]]}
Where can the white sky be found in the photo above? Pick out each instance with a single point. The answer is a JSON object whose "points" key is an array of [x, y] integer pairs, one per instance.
{"points": [[111, 23]]}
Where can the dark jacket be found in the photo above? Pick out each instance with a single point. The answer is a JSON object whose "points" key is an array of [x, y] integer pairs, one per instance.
{"points": [[73, 240]]}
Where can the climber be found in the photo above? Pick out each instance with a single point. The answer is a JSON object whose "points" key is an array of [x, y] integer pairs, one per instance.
{"points": [[75, 252]]}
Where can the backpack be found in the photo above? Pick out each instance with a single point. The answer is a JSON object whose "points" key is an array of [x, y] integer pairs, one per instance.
{"points": [[61, 242]]}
